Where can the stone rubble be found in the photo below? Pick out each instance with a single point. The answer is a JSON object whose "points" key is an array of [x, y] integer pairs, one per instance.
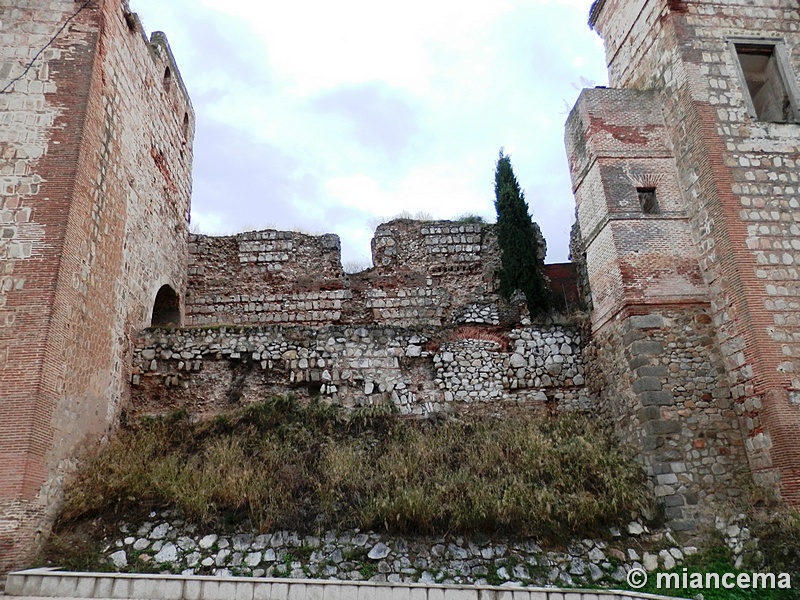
{"points": [[169, 545], [361, 366]]}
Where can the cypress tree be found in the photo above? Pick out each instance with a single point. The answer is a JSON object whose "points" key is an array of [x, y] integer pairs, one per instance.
{"points": [[522, 246]]}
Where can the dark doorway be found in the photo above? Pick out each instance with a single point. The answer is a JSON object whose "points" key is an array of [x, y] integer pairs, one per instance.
{"points": [[166, 309]]}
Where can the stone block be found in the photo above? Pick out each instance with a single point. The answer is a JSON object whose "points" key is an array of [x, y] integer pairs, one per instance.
{"points": [[192, 589], [652, 371], [436, 593], [297, 591], [459, 594], [122, 588], [227, 589], [400, 592], [16, 585], [662, 427], [418, 593], [652, 442], [673, 512], [646, 384], [314, 592], [172, 589], [646, 321], [85, 587], [144, 587], [245, 591], [647, 348], [657, 398], [648, 413], [49, 587], [683, 525], [210, 590], [632, 336]]}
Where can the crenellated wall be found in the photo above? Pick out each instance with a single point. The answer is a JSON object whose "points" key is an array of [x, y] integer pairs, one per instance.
{"points": [[424, 273], [95, 180]]}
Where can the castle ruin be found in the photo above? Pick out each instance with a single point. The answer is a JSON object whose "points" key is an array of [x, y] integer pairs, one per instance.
{"points": [[685, 173]]}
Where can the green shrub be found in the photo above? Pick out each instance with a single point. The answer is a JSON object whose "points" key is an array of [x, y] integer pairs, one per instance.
{"points": [[778, 544]]}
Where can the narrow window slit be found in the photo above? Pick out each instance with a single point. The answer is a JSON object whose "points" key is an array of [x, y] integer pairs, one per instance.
{"points": [[647, 200]]}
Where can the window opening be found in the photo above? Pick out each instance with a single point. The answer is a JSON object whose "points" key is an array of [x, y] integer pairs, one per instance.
{"points": [[769, 96], [647, 200]]}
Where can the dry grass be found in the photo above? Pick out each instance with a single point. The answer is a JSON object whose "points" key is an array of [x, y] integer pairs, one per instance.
{"points": [[283, 465]]}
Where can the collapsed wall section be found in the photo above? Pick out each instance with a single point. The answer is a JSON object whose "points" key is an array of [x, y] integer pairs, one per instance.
{"points": [[429, 274], [207, 371], [265, 277], [95, 157]]}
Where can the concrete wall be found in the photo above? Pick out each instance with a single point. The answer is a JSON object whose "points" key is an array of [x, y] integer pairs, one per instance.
{"points": [[48, 584], [96, 177]]}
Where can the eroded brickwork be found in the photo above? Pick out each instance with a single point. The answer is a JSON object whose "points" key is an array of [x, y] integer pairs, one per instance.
{"points": [[732, 178], [426, 273], [95, 160]]}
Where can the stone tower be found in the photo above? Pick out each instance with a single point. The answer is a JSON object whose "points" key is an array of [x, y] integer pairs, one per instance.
{"points": [[686, 176], [95, 182]]}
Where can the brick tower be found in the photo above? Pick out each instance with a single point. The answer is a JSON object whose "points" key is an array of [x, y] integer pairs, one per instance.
{"points": [[95, 174], [687, 180]]}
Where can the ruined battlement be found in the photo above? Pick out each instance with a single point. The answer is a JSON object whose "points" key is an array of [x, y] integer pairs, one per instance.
{"points": [[425, 273], [685, 174]]}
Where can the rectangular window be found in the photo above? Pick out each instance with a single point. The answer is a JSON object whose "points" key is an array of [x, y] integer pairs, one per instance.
{"points": [[647, 200], [764, 71]]}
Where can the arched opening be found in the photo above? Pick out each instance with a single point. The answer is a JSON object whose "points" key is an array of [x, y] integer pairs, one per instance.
{"points": [[167, 77], [166, 308], [185, 127]]}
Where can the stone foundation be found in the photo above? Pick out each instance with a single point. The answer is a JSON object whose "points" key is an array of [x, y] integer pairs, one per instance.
{"points": [[660, 379]]}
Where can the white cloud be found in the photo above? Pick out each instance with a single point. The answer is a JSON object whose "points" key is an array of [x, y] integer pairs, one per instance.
{"points": [[323, 115]]}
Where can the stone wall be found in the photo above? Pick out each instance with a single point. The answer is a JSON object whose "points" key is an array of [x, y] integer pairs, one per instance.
{"points": [[416, 372], [95, 166], [737, 173], [165, 542], [660, 379], [424, 273]]}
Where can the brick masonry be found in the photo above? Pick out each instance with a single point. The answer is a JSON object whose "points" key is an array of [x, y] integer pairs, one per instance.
{"points": [[95, 179], [693, 354], [725, 242]]}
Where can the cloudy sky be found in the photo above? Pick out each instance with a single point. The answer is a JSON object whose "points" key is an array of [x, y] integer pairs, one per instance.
{"points": [[327, 116]]}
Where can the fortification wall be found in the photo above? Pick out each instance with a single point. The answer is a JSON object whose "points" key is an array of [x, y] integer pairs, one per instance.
{"points": [[737, 171], [417, 372], [659, 378], [95, 163], [424, 274]]}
